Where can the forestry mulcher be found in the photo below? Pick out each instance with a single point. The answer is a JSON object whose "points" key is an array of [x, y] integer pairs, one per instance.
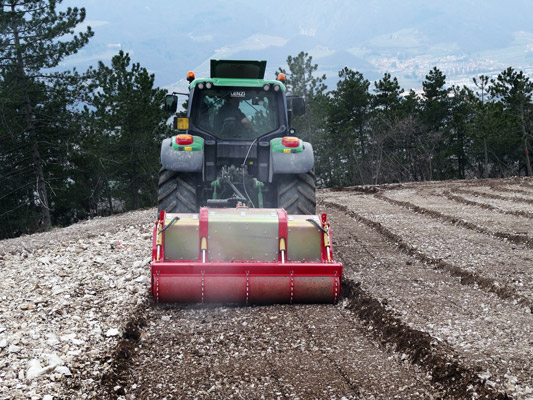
{"points": [[237, 219]]}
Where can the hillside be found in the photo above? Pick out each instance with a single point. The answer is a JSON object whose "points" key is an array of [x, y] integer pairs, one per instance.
{"points": [[437, 303]]}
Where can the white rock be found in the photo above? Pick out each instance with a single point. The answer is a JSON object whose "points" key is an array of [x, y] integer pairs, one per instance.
{"points": [[35, 369], [44, 260], [63, 370], [57, 290], [27, 306], [13, 348], [53, 360], [68, 337], [485, 375], [112, 332], [52, 339], [48, 397], [3, 343]]}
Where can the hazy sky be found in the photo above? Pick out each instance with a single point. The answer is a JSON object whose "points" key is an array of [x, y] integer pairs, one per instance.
{"points": [[403, 37]]}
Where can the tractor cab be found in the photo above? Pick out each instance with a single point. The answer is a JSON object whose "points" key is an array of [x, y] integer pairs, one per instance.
{"points": [[235, 144]]}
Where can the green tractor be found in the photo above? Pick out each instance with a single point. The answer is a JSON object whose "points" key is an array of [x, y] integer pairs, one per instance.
{"points": [[236, 145]]}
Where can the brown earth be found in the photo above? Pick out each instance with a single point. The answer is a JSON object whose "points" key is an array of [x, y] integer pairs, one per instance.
{"points": [[437, 303]]}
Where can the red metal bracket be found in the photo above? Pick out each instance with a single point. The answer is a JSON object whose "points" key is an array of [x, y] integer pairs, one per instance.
{"points": [[283, 230], [203, 231]]}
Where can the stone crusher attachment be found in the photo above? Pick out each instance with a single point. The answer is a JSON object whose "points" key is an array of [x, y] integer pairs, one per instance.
{"points": [[241, 255]]}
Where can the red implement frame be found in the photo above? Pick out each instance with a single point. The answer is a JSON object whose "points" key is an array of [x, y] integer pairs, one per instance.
{"points": [[249, 282]]}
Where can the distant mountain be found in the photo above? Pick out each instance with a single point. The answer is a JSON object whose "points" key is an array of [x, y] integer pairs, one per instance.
{"points": [[463, 38]]}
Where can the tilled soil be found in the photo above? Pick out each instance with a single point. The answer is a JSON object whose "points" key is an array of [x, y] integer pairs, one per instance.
{"points": [[274, 352], [437, 303]]}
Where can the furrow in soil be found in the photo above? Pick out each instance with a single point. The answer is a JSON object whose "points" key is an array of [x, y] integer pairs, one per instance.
{"points": [[475, 324]]}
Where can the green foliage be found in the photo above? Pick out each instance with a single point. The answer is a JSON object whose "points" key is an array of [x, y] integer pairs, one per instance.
{"points": [[347, 129], [445, 133], [30, 30], [436, 100], [302, 81], [34, 37], [388, 94], [513, 91], [129, 122], [75, 146]]}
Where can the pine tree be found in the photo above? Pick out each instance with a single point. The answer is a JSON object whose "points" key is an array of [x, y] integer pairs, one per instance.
{"points": [[459, 131], [348, 117], [436, 100], [435, 115], [387, 145], [388, 94], [514, 91], [302, 81], [129, 121], [34, 37], [482, 128]]}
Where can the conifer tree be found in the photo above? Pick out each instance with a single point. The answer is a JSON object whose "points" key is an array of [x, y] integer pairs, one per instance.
{"points": [[302, 81], [34, 36], [435, 116], [514, 91], [129, 120], [388, 94], [348, 117]]}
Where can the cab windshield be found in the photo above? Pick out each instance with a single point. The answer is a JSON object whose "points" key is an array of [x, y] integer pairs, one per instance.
{"points": [[236, 113]]}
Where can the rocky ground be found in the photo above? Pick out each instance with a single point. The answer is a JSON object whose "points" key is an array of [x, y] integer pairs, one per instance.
{"points": [[437, 303]]}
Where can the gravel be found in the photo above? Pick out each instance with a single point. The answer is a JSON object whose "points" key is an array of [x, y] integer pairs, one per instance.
{"points": [[65, 295], [436, 304]]}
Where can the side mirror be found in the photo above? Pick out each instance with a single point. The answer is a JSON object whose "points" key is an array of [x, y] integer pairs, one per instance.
{"points": [[298, 106], [171, 103]]}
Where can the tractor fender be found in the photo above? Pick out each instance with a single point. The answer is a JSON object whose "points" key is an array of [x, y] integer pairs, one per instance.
{"points": [[182, 161], [292, 163]]}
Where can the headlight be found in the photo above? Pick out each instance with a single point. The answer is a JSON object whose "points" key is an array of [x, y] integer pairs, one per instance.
{"points": [[208, 85], [201, 85], [266, 86]]}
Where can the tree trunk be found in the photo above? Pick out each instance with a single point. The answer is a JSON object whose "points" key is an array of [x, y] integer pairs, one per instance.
{"points": [[528, 162], [134, 185], [486, 159], [524, 135], [42, 192]]}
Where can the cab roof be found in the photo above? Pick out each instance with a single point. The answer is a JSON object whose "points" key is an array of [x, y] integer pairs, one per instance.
{"points": [[238, 69]]}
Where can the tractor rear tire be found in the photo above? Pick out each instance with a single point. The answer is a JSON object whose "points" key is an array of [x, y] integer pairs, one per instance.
{"points": [[296, 193], [177, 192]]}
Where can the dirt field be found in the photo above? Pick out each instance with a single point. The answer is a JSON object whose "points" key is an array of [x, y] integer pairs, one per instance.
{"points": [[437, 303]]}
